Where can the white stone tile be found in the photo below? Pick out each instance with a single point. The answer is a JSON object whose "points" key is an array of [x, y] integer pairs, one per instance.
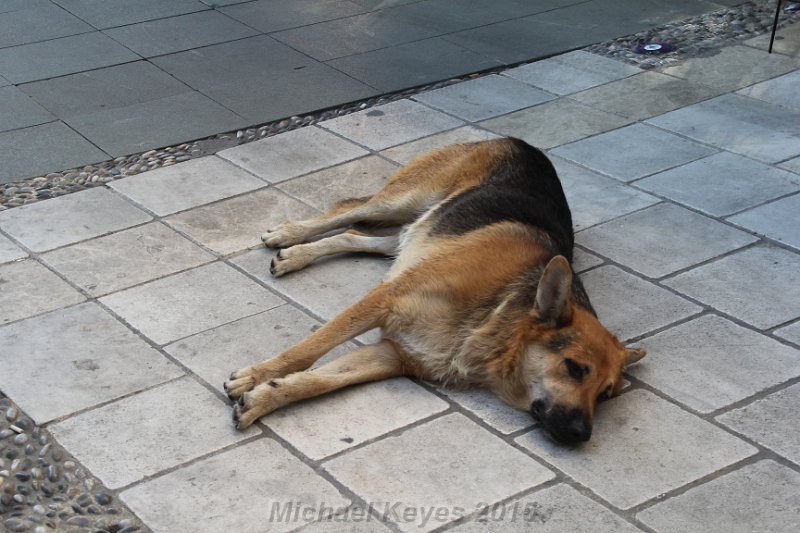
{"points": [[778, 220], [709, 363], [764, 496], [760, 285], [174, 188], [791, 332], [641, 447], [183, 304], [292, 153], [238, 223], [10, 251], [391, 124], [630, 306], [67, 360], [662, 239], [780, 91], [248, 488], [771, 421], [120, 260], [68, 219], [447, 463], [491, 409], [28, 288], [404, 153], [355, 519], [143, 434], [632, 152]]}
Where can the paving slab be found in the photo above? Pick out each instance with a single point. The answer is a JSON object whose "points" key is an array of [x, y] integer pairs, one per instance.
{"points": [[792, 164], [572, 72], [10, 251], [787, 42], [69, 219], [109, 13], [630, 306], [45, 148], [237, 224], [777, 91], [639, 241], [355, 519], [167, 190], [583, 260], [391, 124], [633, 152], [758, 285], [321, 190], [555, 123], [764, 496], [778, 220], [722, 184], [740, 124], [791, 333], [652, 444], [116, 441], [268, 15], [404, 153], [771, 421], [292, 154], [491, 409], [209, 492], [484, 97], [85, 359], [556, 509], [121, 260], [29, 289], [38, 23], [720, 363], [409, 468], [190, 302]]}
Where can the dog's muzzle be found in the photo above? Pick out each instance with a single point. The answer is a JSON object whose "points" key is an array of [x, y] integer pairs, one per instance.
{"points": [[565, 425]]}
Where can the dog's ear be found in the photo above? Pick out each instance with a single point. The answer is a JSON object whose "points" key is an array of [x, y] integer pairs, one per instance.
{"points": [[634, 355], [553, 295]]}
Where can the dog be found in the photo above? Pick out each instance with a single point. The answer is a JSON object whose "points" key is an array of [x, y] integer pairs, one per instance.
{"points": [[481, 292]]}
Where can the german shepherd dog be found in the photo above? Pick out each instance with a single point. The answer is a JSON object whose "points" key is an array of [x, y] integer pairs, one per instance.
{"points": [[481, 292]]}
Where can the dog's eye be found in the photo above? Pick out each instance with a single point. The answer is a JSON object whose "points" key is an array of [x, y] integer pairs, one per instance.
{"points": [[575, 370], [605, 395]]}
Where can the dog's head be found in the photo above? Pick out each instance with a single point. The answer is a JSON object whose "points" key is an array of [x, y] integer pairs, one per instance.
{"points": [[572, 362]]}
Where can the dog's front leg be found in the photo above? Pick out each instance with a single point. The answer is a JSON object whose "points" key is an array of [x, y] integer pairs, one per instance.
{"points": [[370, 363]]}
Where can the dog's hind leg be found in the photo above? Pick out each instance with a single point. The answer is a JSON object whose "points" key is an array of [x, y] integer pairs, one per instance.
{"points": [[370, 363]]}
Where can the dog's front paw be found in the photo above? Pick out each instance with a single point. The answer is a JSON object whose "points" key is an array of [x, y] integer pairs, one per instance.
{"points": [[287, 260], [254, 404], [240, 382], [285, 234]]}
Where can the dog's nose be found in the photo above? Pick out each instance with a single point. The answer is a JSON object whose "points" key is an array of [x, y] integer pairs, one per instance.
{"points": [[578, 430]]}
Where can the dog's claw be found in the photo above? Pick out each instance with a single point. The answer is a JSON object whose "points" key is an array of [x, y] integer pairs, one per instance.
{"points": [[272, 267]]}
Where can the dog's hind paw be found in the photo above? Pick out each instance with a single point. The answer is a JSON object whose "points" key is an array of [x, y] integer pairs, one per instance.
{"points": [[287, 260]]}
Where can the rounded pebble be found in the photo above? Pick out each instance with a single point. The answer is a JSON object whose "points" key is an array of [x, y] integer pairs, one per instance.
{"points": [[13, 524]]}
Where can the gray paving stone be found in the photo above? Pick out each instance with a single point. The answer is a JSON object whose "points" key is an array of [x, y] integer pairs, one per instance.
{"points": [[81, 356], [210, 492], [416, 468], [722, 183], [583, 260], [771, 421], [183, 304], [572, 72], [4, 82], [778, 220], [629, 306], [594, 198], [556, 509], [792, 164], [29, 289], [105, 88], [645, 95], [734, 67], [109, 13], [57, 57], [215, 353], [758, 285], [270, 15], [200, 181], [175, 34], [121, 260], [238, 223], [740, 124], [117, 442], [632, 152], [391, 124], [491, 409], [787, 42], [10, 251], [764, 496], [484, 97], [791, 333], [555, 123], [292, 154], [404, 153], [321, 190], [719, 363], [156, 123], [68, 219], [45, 148], [650, 443], [662, 239], [38, 24], [356, 519]]}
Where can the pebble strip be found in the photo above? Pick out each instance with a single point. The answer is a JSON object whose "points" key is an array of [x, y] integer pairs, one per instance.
{"points": [[43, 488], [692, 37]]}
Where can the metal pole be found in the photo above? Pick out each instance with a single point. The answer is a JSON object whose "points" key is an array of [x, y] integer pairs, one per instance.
{"points": [[774, 26]]}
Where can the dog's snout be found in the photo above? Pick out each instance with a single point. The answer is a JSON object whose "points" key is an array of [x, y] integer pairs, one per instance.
{"points": [[564, 425], [578, 430]]}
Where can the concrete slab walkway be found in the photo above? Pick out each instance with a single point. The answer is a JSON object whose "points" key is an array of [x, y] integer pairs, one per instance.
{"points": [[124, 308]]}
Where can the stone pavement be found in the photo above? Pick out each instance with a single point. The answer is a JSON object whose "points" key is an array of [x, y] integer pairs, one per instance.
{"points": [[85, 81], [125, 307]]}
